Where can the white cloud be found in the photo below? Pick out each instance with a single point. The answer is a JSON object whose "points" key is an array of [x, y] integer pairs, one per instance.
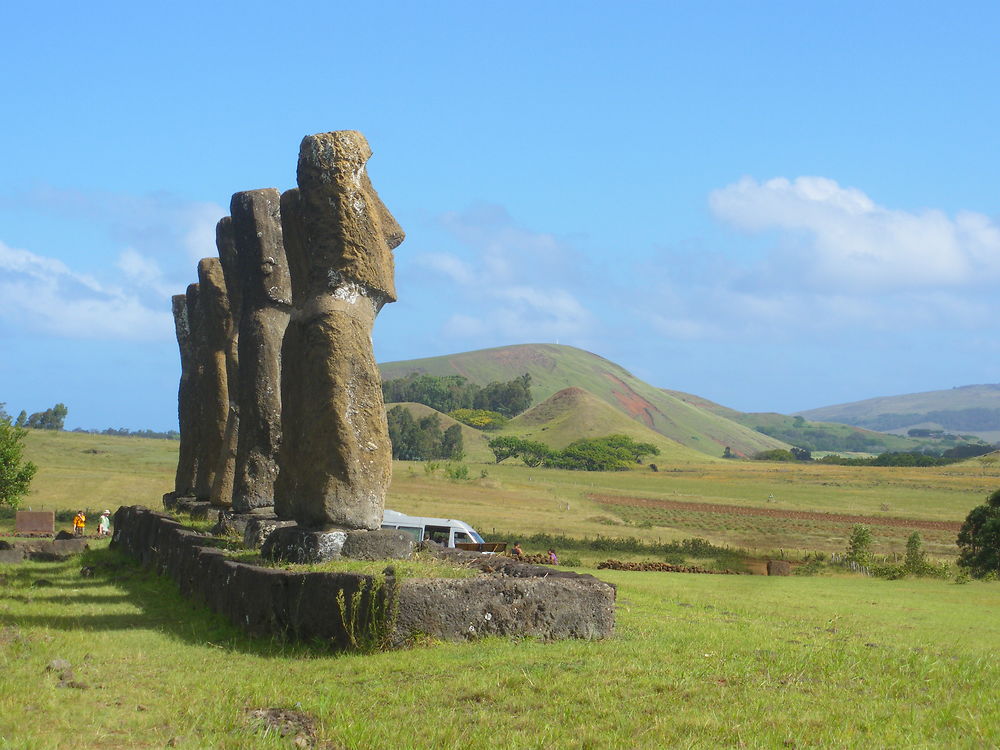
{"points": [[838, 238], [44, 295], [516, 284]]}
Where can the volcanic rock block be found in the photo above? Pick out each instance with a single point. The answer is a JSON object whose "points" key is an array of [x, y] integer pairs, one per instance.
{"points": [[212, 338], [335, 457], [225, 470], [259, 528], [381, 544], [266, 304], [188, 410]]}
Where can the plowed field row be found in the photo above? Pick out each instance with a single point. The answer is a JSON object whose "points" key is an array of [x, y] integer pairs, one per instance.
{"points": [[740, 510]]}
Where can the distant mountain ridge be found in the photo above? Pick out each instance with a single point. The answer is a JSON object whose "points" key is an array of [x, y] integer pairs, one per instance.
{"points": [[555, 368], [969, 409]]}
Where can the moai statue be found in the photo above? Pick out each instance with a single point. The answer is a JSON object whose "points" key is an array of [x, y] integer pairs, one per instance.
{"points": [[211, 330], [335, 458], [187, 399], [225, 470], [266, 305]]}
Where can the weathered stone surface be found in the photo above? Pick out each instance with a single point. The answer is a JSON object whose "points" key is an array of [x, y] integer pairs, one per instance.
{"points": [[779, 568], [259, 528], [188, 409], [335, 458], [300, 545], [468, 608], [211, 330], [266, 305], [380, 544], [225, 470]]}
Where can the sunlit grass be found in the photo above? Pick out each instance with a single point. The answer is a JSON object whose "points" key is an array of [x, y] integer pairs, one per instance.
{"points": [[697, 661]]}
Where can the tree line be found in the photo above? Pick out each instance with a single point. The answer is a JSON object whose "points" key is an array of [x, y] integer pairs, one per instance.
{"points": [[448, 393], [422, 439], [610, 453]]}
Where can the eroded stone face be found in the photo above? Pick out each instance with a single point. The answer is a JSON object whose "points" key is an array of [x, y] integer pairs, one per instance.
{"points": [[267, 297], [335, 459], [212, 328], [225, 470], [187, 401]]}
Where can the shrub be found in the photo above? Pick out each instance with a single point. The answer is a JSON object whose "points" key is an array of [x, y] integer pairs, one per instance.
{"points": [[859, 544], [480, 419], [979, 538]]}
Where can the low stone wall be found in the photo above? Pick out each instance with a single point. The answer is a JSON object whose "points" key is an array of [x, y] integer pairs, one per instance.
{"points": [[352, 610]]}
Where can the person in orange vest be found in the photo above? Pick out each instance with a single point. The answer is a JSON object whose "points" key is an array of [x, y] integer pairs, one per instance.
{"points": [[79, 523]]}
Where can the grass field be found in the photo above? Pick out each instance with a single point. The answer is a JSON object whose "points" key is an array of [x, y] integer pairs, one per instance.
{"points": [[697, 662], [94, 471]]}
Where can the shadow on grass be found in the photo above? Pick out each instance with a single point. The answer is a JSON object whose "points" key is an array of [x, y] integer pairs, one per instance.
{"points": [[63, 599]]}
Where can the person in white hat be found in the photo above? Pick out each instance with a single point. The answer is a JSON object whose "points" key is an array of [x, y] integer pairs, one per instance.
{"points": [[104, 525]]}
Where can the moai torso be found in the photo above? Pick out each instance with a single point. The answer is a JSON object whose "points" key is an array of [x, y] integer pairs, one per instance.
{"points": [[267, 299], [187, 401], [335, 458], [222, 485], [212, 334]]}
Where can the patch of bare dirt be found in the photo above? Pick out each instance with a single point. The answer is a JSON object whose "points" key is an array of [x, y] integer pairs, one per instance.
{"points": [[297, 726], [740, 510]]}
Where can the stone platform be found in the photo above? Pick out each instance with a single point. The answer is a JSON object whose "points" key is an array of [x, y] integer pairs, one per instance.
{"points": [[350, 610]]}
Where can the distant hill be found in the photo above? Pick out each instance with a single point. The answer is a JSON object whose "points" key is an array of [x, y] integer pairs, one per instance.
{"points": [[554, 368], [967, 410], [574, 413], [819, 435]]}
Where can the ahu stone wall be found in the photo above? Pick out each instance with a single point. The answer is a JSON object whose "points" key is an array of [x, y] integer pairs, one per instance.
{"points": [[349, 610]]}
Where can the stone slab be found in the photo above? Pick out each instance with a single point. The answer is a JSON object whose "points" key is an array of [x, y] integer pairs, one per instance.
{"points": [[35, 522], [12, 556]]}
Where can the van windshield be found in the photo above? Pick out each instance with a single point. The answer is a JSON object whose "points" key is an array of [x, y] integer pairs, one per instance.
{"points": [[474, 535]]}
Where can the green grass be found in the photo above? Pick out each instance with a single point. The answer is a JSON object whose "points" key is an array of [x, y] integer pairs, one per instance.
{"points": [[697, 662]]}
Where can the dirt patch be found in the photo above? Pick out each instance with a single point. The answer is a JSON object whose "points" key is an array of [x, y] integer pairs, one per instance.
{"points": [[298, 726], [740, 510]]}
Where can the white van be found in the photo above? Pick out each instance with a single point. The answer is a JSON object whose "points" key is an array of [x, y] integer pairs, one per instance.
{"points": [[446, 531]]}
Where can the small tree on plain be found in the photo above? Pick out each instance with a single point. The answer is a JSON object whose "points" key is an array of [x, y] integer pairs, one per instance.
{"points": [[915, 560], [859, 544]]}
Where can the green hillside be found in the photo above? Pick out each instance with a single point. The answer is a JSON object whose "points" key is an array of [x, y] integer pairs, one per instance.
{"points": [[554, 368], [574, 413], [474, 442], [968, 410]]}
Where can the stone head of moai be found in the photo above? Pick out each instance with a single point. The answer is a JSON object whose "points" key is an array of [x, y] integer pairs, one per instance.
{"points": [[347, 230], [335, 458]]}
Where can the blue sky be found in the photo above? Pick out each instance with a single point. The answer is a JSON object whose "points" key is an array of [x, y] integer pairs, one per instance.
{"points": [[777, 206]]}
